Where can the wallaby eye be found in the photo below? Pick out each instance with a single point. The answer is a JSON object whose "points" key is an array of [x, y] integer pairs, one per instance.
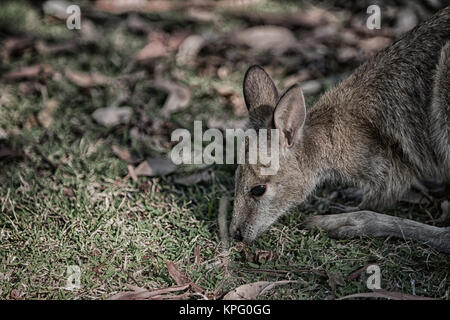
{"points": [[258, 191]]}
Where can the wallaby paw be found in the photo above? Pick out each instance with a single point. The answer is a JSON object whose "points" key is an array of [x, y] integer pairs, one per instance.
{"points": [[343, 225]]}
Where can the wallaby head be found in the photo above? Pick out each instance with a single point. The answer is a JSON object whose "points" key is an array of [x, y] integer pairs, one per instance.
{"points": [[262, 199]]}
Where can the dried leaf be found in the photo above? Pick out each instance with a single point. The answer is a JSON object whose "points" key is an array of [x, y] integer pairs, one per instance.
{"points": [[266, 38], [15, 46], [253, 290], [132, 173], [121, 153], [111, 116], [141, 293], [45, 116], [194, 178], [387, 295], [155, 167], [68, 192], [263, 256], [159, 45], [86, 80], [180, 278], [189, 49], [178, 99], [374, 44], [30, 72], [233, 98], [224, 124], [335, 279], [197, 257], [56, 8]]}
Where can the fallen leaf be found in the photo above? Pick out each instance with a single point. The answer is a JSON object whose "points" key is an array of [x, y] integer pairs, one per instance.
{"points": [[263, 256], [232, 97], [3, 134], [68, 192], [406, 20], [56, 8], [195, 178], [311, 87], [266, 38], [224, 124], [189, 49], [15, 46], [253, 290], [387, 295], [136, 24], [335, 279], [374, 44], [132, 173], [48, 49], [197, 257], [30, 72], [45, 116], [86, 80], [179, 96], [141, 293], [160, 45], [121, 153], [180, 278], [155, 167], [111, 116]]}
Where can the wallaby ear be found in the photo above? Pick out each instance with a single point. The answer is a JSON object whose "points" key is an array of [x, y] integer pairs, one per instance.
{"points": [[259, 88], [290, 114]]}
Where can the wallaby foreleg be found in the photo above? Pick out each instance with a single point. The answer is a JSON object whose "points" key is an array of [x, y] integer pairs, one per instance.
{"points": [[369, 223]]}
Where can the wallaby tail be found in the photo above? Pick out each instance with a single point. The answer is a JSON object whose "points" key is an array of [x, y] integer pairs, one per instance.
{"points": [[440, 107]]}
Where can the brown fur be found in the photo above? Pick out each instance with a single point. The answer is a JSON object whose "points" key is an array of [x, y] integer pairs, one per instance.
{"points": [[383, 127]]}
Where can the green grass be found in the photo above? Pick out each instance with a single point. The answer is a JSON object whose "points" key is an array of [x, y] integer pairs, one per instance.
{"points": [[121, 232]]}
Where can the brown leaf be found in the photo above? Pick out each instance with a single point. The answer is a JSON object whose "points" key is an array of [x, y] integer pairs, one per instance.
{"points": [[112, 116], [224, 124], [86, 80], [30, 72], [189, 49], [178, 99], [141, 293], [233, 98], [121, 153], [195, 178], [197, 259], [266, 38], [45, 116], [335, 279], [132, 173], [121, 6], [159, 45], [387, 295], [263, 256], [180, 278], [253, 290], [155, 167], [68, 192], [15, 46], [374, 44], [47, 49]]}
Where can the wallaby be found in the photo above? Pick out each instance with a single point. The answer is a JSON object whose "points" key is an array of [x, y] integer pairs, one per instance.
{"points": [[382, 128]]}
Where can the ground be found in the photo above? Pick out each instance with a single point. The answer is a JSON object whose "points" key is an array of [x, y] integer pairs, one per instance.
{"points": [[67, 198]]}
